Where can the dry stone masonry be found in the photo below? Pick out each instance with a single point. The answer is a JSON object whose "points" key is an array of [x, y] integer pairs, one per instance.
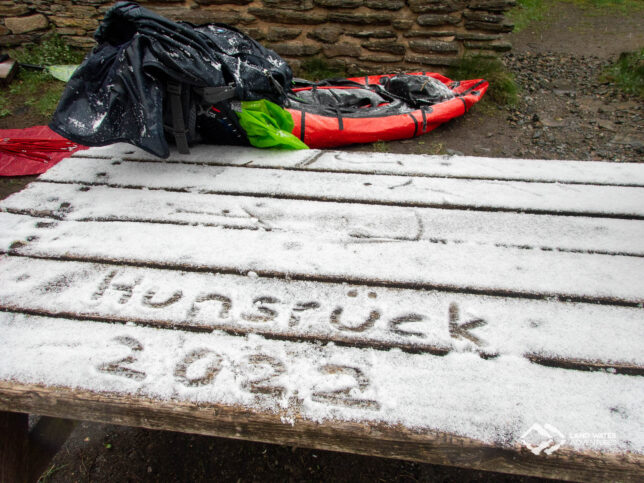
{"points": [[366, 36]]}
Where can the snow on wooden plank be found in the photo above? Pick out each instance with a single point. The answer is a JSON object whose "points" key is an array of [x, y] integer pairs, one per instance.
{"points": [[624, 202], [345, 222], [603, 173], [321, 295], [460, 393], [423, 321], [424, 264]]}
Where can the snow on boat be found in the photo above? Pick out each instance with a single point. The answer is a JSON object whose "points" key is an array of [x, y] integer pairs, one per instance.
{"points": [[386, 107]]}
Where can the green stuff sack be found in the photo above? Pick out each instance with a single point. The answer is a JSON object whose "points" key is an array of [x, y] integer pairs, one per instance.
{"points": [[267, 125], [62, 72]]}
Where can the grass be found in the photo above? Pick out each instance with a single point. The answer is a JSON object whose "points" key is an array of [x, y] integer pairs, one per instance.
{"points": [[529, 11], [380, 147], [503, 90], [48, 474], [52, 50], [37, 89], [627, 72], [620, 6]]}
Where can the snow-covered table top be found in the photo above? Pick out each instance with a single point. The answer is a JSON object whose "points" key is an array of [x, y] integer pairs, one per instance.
{"points": [[470, 311]]}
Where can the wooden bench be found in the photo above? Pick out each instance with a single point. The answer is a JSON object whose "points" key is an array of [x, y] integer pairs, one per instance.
{"points": [[476, 312]]}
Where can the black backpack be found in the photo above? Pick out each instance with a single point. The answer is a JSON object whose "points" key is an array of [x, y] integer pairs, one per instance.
{"points": [[150, 77]]}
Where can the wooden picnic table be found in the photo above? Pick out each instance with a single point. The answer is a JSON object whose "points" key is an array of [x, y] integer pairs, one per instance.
{"points": [[478, 312]]}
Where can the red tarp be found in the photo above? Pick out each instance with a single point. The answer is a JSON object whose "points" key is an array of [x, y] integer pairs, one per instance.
{"points": [[39, 155]]}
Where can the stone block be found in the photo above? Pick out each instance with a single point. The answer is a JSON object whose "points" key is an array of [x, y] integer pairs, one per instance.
{"points": [[342, 50], [483, 16], [360, 18], [295, 65], [22, 25], [385, 4], [503, 27], [492, 5], [382, 58], [403, 23], [255, 33], [385, 46], [425, 34], [326, 34], [82, 11], [295, 49], [221, 2], [432, 6], [476, 36], [496, 46], [437, 19], [433, 46], [20, 39], [70, 31], [71, 22], [374, 34], [198, 16], [278, 34], [14, 10], [339, 3], [81, 42], [99, 2], [431, 59], [297, 5], [287, 17]]}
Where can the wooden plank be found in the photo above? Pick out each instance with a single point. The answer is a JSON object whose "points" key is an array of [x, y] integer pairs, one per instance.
{"points": [[378, 440], [13, 443], [530, 197], [382, 441], [222, 296], [545, 332], [348, 222], [466, 167], [297, 392], [419, 264]]}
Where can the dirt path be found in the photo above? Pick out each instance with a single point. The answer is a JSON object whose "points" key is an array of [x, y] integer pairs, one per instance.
{"points": [[564, 114]]}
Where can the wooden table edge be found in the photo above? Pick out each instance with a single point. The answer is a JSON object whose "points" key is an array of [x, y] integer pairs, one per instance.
{"points": [[353, 437]]}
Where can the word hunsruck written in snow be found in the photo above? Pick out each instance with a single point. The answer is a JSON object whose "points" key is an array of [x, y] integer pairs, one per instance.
{"points": [[427, 321]]}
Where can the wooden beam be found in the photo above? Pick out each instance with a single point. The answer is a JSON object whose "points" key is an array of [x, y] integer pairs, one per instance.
{"points": [[13, 446], [369, 439]]}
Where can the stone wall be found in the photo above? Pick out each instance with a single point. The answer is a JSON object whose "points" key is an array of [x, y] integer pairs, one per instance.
{"points": [[355, 35]]}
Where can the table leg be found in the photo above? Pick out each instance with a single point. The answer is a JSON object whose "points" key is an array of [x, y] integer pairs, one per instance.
{"points": [[14, 435]]}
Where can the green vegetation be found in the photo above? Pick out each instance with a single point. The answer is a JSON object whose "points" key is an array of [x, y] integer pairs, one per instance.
{"points": [[503, 90], [621, 6], [4, 105], [51, 50], [627, 72], [526, 12], [50, 472], [36, 88], [380, 147], [317, 68]]}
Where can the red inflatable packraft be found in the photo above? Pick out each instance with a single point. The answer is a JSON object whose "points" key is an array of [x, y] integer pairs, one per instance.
{"points": [[325, 120]]}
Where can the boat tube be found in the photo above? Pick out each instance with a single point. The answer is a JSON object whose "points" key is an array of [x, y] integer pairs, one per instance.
{"points": [[337, 112]]}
